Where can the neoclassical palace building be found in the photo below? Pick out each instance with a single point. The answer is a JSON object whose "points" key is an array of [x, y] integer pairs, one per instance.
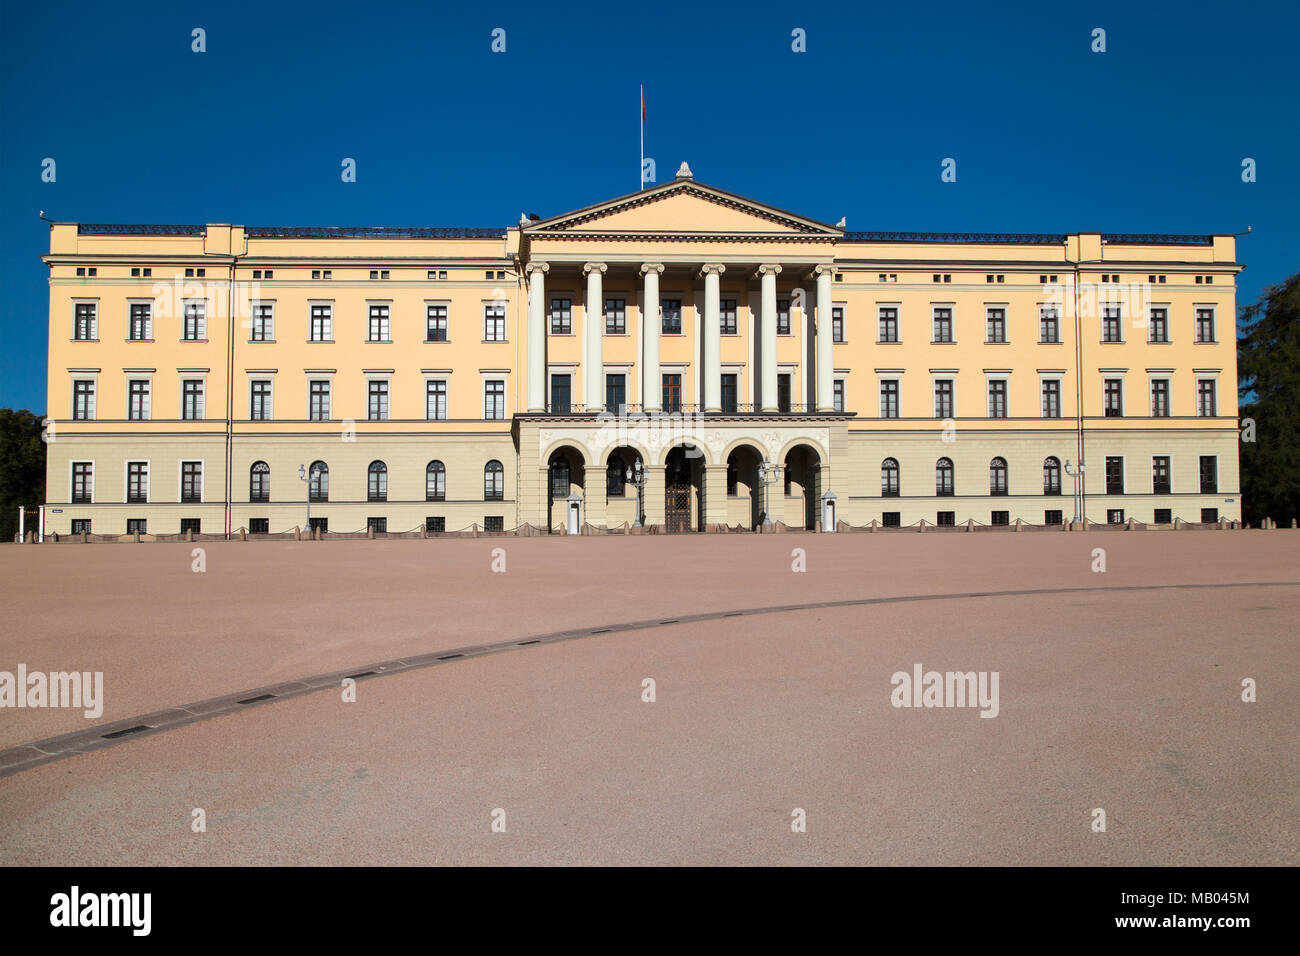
{"points": [[681, 356]]}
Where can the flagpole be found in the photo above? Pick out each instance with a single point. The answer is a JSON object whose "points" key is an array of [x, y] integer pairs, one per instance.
{"points": [[641, 168]]}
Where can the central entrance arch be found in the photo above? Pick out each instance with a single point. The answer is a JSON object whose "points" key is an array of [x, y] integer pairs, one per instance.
{"points": [[565, 475], [684, 490], [803, 466]]}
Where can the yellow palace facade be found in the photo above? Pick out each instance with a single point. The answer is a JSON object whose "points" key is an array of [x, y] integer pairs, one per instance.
{"points": [[681, 356]]}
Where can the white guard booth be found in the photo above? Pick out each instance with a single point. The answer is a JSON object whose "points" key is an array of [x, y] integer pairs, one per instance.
{"points": [[573, 514], [828, 512]]}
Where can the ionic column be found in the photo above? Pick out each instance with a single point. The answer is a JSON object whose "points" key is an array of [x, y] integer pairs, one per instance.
{"points": [[593, 392], [825, 354], [767, 379], [536, 362], [651, 327], [712, 370]]}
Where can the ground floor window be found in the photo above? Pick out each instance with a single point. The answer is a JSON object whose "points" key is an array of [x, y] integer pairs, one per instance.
{"points": [[1001, 517], [319, 524], [947, 518], [137, 526], [1164, 516], [259, 525], [891, 519], [1114, 516], [494, 523], [435, 525], [1053, 517], [1208, 515], [190, 524], [81, 526], [377, 525]]}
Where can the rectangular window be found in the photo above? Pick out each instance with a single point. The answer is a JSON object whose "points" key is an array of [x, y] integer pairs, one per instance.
{"points": [[1209, 474], [1160, 398], [494, 400], [888, 324], [137, 482], [84, 322], [889, 398], [191, 481], [81, 526], [1000, 518], [377, 408], [494, 323], [191, 524], [192, 399], [263, 328], [379, 330], [320, 524], [1164, 516], [435, 525], [1049, 325], [783, 388], [616, 316], [1204, 325], [1160, 484], [1114, 516], [195, 325], [1053, 517], [943, 398], [319, 407], [561, 395], [1209, 515], [672, 388], [1113, 398], [996, 322], [435, 400], [137, 408], [946, 518], [259, 525], [137, 526], [494, 523], [942, 324], [1051, 398], [322, 323], [83, 400], [670, 313], [1114, 476], [1206, 404], [837, 323], [782, 316], [1158, 327], [259, 400], [83, 482], [837, 395], [561, 316], [435, 328], [998, 398], [377, 525], [730, 392], [615, 393], [1110, 324], [141, 322], [727, 316], [891, 519]]}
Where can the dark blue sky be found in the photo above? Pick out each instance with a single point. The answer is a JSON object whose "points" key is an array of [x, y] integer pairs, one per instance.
{"points": [[1048, 136]]}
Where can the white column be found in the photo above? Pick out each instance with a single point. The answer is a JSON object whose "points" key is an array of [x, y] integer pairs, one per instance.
{"points": [[825, 354], [593, 319], [536, 361], [767, 380], [712, 370], [651, 327]]}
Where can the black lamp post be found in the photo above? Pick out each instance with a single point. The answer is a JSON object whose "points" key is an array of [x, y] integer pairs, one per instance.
{"points": [[636, 476]]}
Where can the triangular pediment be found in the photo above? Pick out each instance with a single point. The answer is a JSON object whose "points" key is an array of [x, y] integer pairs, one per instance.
{"points": [[683, 207]]}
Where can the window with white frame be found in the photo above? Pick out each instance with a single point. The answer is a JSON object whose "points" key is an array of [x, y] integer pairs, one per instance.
{"points": [[322, 322], [318, 401], [137, 482], [192, 399], [435, 322], [194, 325], [943, 323], [83, 399], [137, 402], [141, 329], [262, 328], [888, 323], [1051, 398], [494, 322], [377, 405], [1160, 398], [191, 481], [435, 399], [889, 398], [1049, 325], [1206, 401], [85, 321], [997, 398], [259, 399], [83, 482], [380, 328], [996, 322], [494, 399]]}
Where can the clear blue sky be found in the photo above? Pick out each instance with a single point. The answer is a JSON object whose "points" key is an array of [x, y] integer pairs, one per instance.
{"points": [[1048, 136]]}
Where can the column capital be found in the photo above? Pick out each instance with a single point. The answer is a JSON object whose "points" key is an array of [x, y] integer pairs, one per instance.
{"points": [[824, 269], [589, 267], [712, 268], [652, 267], [542, 267], [768, 269]]}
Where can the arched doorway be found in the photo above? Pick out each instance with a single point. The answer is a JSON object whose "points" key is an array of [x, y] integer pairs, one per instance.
{"points": [[565, 474], [803, 468], [744, 490], [684, 490], [623, 503]]}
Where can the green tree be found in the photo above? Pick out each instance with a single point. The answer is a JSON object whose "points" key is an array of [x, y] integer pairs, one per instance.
{"points": [[1268, 372], [22, 467]]}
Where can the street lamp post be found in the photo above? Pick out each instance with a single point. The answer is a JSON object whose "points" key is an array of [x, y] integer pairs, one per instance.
{"points": [[768, 472], [303, 476], [637, 477], [1077, 476]]}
